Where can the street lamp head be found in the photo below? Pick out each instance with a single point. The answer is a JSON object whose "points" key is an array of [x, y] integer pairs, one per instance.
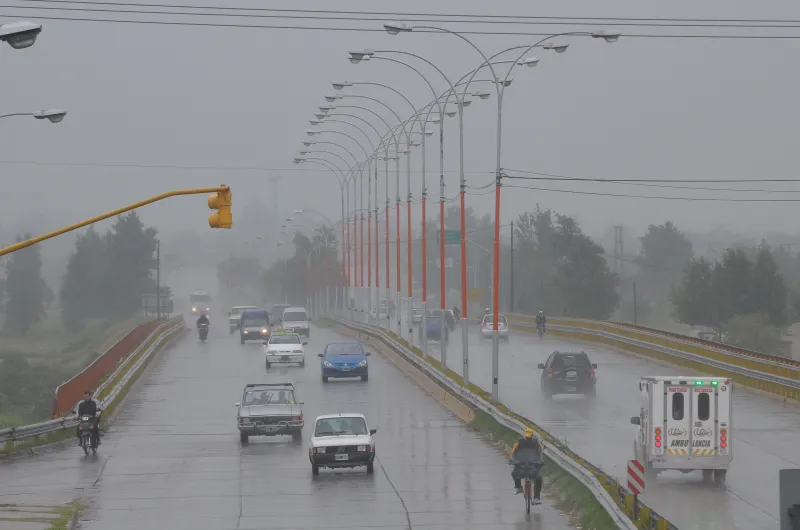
{"points": [[393, 28], [304, 151], [54, 115], [330, 98], [481, 94], [427, 132], [289, 219], [528, 61], [436, 120], [357, 56], [607, 35], [320, 117], [339, 85], [298, 211], [558, 48], [308, 142], [311, 132], [450, 112], [505, 82], [465, 102], [20, 34], [326, 109], [298, 160], [315, 122], [415, 143]]}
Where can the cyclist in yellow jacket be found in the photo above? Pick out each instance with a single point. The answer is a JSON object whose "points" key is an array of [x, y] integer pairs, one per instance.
{"points": [[528, 452]]}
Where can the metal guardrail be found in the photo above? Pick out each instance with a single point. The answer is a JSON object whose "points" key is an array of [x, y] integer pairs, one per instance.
{"points": [[715, 347], [592, 477], [164, 331], [777, 384]]}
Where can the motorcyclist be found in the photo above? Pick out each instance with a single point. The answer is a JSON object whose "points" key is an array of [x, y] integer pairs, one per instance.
{"points": [[487, 311], [203, 320], [89, 407], [541, 320], [456, 312], [527, 451]]}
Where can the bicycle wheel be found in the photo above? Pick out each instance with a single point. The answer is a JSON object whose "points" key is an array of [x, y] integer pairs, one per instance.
{"points": [[528, 494]]}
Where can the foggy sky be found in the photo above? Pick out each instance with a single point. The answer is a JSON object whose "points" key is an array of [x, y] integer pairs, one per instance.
{"points": [[188, 96]]}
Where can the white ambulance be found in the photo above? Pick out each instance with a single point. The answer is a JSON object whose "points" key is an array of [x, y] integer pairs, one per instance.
{"points": [[685, 424]]}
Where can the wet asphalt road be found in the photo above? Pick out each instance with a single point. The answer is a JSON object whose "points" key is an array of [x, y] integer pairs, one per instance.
{"points": [[766, 437], [173, 459]]}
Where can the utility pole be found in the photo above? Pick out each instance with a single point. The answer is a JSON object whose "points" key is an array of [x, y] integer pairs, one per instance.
{"points": [[511, 290], [158, 277], [634, 304], [618, 252]]}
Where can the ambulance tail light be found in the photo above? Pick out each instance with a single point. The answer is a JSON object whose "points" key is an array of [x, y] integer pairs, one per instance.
{"points": [[723, 441], [658, 442]]}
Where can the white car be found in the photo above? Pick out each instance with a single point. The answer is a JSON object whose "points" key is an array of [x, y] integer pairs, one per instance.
{"points": [[342, 440], [488, 322], [284, 347], [235, 316]]}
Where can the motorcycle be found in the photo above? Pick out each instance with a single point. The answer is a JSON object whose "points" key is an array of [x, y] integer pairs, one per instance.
{"points": [[88, 438], [202, 329]]}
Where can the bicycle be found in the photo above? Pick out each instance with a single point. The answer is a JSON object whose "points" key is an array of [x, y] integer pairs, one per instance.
{"points": [[531, 473]]}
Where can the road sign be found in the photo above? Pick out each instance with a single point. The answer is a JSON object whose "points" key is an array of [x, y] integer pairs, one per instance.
{"points": [[635, 477], [451, 237], [475, 294]]}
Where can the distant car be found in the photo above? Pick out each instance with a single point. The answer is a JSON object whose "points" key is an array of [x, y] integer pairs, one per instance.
{"points": [[254, 325], [269, 409], [436, 329], [235, 316], [296, 319], [382, 312], [344, 359], [416, 315], [276, 313], [568, 373], [342, 440], [283, 347], [200, 302], [488, 323]]}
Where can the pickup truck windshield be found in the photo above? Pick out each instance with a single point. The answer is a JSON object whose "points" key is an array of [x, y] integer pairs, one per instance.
{"points": [[295, 316], [268, 397]]}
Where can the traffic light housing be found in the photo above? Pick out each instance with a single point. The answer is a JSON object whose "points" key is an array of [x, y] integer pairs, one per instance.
{"points": [[220, 201]]}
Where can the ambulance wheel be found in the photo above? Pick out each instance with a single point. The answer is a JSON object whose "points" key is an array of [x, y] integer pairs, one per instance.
{"points": [[719, 477], [708, 476]]}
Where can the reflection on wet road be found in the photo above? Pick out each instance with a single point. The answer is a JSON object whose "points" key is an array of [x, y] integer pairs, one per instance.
{"points": [[173, 459], [765, 438]]}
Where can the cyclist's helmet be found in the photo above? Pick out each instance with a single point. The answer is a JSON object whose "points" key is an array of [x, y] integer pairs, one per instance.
{"points": [[529, 433]]}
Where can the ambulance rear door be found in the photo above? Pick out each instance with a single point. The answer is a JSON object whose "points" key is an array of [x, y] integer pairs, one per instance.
{"points": [[704, 420], [677, 419]]}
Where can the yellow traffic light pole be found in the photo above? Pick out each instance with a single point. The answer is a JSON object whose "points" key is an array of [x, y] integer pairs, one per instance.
{"points": [[214, 202]]}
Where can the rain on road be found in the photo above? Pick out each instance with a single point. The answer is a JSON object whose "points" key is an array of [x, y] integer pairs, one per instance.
{"points": [[173, 458]]}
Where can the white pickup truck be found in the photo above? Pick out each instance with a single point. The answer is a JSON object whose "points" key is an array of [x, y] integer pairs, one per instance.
{"points": [[685, 425]]}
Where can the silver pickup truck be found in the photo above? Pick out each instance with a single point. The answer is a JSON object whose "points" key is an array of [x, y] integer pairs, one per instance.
{"points": [[269, 409]]}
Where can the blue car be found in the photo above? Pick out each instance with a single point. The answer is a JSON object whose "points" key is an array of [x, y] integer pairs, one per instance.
{"points": [[344, 359]]}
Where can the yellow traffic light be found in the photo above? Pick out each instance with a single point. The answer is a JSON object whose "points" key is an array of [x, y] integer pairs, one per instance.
{"points": [[220, 201]]}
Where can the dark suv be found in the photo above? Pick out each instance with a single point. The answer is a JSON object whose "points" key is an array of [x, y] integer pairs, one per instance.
{"points": [[568, 373]]}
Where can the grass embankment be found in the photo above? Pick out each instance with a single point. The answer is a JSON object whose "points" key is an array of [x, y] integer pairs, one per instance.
{"points": [[58, 517], [33, 365]]}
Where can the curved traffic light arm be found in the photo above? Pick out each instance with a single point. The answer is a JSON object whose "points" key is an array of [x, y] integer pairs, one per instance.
{"points": [[222, 190]]}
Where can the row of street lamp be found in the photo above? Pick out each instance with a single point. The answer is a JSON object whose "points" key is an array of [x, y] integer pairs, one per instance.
{"points": [[391, 145], [20, 35]]}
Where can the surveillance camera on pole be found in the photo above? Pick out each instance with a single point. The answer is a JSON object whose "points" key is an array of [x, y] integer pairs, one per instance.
{"points": [[20, 34]]}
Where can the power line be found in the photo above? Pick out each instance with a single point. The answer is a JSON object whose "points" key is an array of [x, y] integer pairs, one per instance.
{"points": [[590, 179], [375, 30], [639, 183], [479, 18], [659, 197]]}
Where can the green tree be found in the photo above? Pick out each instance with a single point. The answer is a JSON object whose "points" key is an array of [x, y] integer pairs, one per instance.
{"points": [[83, 286], [769, 293], [695, 298], [25, 289], [733, 285], [131, 257], [666, 248], [754, 332]]}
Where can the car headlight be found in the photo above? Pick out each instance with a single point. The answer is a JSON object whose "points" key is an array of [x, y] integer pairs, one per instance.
{"points": [[272, 352], [245, 332], [208, 309], [327, 363], [362, 363], [264, 331], [364, 448], [194, 310], [318, 450]]}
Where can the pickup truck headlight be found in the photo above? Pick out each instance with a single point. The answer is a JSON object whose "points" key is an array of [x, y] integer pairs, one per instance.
{"points": [[362, 363], [327, 363], [318, 450]]}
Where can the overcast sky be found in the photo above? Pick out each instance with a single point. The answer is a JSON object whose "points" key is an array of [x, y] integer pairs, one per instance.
{"points": [[159, 95]]}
